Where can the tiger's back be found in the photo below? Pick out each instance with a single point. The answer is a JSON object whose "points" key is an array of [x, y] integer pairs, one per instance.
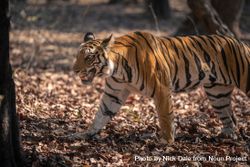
{"points": [[185, 61]]}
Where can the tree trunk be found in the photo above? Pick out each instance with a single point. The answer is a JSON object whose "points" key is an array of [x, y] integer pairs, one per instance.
{"points": [[230, 12], [10, 151], [207, 15]]}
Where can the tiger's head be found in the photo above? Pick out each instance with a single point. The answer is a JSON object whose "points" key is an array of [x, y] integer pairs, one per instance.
{"points": [[92, 59]]}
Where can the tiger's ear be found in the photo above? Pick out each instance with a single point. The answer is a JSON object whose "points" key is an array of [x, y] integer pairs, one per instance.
{"points": [[89, 36], [106, 42]]}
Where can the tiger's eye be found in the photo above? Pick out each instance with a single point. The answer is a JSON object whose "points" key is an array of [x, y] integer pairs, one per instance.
{"points": [[89, 58]]}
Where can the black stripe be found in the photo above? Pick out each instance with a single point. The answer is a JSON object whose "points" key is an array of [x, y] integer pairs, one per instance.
{"points": [[212, 43], [153, 93], [146, 63], [116, 80], [140, 34], [194, 85], [111, 87], [187, 72], [157, 65], [222, 74], [175, 75], [219, 95], [163, 42], [154, 39], [127, 69], [206, 55], [120, 43], [159, 44], [234, 79], [232, 46], [211, 86], [183, 51], [106, 111], [207, 58], [100, 72], [177, 85], [225, 62], [137, 64], [203, 38], [167, 56], [221, 107], [115, 99], [103, 66], [242, 45], [163, 52], [197, 63], [142, 84], [238, 72], [133, 39], [136, 55], [219, 37], [118, 60], [175, 48]]}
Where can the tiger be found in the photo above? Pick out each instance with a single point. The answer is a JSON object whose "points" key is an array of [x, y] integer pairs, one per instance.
{"points": [[154, 66]]}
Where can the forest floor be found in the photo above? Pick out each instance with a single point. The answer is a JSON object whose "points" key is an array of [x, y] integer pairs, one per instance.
{"points": [[52, 102]]}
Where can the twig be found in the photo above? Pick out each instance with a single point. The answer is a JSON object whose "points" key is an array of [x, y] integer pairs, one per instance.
{"points": [[193, 23], [155, 18]]}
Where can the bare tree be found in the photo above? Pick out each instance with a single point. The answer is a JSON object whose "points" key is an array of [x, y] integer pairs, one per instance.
{"points": [[10, 151]]}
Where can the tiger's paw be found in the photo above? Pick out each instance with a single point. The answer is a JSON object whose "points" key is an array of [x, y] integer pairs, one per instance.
{"points": [[166, 142], [167, 138], [228, 133]]}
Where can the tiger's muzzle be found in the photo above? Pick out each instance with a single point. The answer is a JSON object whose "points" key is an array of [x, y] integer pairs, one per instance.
{"points": [[87, 77]]}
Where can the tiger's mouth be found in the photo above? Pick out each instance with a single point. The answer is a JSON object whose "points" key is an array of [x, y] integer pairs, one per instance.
{"points": [[87, 78]]}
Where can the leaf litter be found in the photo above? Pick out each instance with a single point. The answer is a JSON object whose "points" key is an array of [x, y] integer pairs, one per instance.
{"points": [[52, 102]]}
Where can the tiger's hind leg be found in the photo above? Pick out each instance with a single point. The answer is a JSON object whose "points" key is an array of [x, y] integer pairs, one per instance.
{"points": [[165, 114], [220, 98]]}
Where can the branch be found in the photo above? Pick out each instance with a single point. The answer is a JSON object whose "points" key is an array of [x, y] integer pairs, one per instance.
{"points": [[155, 18]]}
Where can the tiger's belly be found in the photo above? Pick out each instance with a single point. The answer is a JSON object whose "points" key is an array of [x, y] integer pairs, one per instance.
{"points": [[185, 84]]}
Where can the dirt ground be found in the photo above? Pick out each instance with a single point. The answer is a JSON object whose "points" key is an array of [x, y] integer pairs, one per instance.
{"points": [[51, 101]]}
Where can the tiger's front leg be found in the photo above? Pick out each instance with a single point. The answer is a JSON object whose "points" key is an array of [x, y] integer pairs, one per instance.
{"points": [[110, 104], [166, 116]]}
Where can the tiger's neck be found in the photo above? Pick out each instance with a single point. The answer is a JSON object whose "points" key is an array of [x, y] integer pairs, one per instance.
{"points": [[117, 62]]}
